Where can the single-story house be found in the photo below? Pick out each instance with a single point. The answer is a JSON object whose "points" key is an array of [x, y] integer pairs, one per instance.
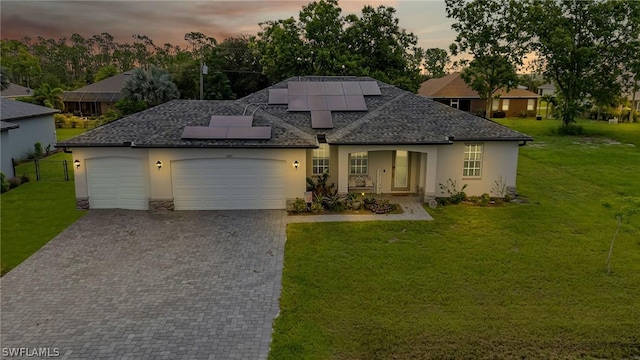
{"points": [[97, 98], [15, 91], [256, 152], [23, 125], [453, 91]]}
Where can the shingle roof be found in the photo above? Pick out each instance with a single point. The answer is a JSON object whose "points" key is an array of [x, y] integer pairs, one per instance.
{"points": [[452, 86], [15, 110], [15, 90], [5, 125], [395, 117], [108, 90]]}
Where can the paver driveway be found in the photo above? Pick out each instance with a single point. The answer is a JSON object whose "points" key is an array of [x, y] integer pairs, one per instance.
{"points": [[130, 284]]}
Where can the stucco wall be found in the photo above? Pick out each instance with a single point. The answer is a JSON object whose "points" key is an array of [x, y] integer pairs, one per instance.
{"points": [[37, 129], [5, 148], [499, 158], [160, 185]]}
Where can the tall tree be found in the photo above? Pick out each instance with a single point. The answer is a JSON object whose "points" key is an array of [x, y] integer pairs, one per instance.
{"points": [[240, 62], [153, 86], [105, 72], [435, 62], [491, 32], [323, 42], [584, 47]]}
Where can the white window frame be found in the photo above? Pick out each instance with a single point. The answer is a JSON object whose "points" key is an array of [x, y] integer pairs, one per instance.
{"points": [[531, 104], [495, 104], [359, 163], [505, 104], [454, 103], [320, 160], [472, 163]]}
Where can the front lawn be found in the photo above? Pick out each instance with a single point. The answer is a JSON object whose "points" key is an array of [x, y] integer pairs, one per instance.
{"points": [[35, 212], [518, 281]]}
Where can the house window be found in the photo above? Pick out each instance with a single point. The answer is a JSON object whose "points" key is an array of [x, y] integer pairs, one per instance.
{"points": [[358, 163], [494, 104], [472, 160], [320, 161], [531, 103], [505, 104], [454, 103]]}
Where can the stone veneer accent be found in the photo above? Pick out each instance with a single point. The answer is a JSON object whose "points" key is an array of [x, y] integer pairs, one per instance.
{"points": [[160, 206], [82, 203], [511, 191]]}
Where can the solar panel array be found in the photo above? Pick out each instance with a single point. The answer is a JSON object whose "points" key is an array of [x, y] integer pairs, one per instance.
{"points": [[322, 97], [233, 127]]}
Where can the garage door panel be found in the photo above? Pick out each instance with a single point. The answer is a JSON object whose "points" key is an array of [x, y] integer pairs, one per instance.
{"points": [[217, 184], [117, 183]]}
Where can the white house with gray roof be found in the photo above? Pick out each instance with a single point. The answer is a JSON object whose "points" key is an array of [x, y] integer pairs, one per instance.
{"points": [[256, 152], [23, 125]]}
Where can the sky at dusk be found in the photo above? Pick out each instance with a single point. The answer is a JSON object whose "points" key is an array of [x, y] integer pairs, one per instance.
{"points": [[168, 21]]}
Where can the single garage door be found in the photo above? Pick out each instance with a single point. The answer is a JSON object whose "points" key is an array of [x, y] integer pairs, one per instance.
{"points": [[117, 183], [220, 184]]}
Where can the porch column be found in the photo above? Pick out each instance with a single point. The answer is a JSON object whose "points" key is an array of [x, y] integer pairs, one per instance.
{"points": [[430, 176], [343, 169]]}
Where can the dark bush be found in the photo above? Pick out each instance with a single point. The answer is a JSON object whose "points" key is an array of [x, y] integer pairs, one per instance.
{"points": [[571, 129], [14, 182], [499, 114]]}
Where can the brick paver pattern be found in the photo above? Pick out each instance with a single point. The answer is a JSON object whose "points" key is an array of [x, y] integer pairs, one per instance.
{"points": [[122, 284]]}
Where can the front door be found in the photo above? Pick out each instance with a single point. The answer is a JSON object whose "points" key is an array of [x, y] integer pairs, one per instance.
{"points": [[400, 171]]}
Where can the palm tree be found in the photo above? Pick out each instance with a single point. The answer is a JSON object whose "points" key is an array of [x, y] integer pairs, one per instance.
{"points": [[50, 97], [4, 78], [153, 86]]}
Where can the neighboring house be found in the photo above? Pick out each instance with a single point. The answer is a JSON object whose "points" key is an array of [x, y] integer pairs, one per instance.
{"points": [[15, 91], [23, 125], [256, 152], [453, 91], [547, 89], [97, 98], [634, 100]]}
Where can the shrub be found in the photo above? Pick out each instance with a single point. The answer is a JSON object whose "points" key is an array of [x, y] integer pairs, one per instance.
{"points": [[14, 182], [381, 207], [24, 178], [499, 114], [4, 183], [299, 206], [523, 114], [455, 195], [37, 149]]}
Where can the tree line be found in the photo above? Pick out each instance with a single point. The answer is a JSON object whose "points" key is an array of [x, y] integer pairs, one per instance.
{"points": [[320, 41]]}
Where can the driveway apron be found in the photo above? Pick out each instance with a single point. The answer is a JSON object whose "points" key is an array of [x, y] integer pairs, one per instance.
{"points": [[122, 284]]}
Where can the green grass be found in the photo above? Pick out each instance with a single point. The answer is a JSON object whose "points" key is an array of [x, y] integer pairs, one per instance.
{"points": [[64, 133], [518, 281], [35, 212]]}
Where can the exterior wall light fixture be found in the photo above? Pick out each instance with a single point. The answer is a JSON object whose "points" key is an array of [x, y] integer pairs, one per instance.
{"points": [[76, 162], [159, 164], [296, 164]]}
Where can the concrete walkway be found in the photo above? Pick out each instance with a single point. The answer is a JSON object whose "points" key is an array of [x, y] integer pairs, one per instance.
{"points": [[413, 210]]}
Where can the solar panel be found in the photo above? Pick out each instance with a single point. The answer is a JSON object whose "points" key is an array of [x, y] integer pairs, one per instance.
{"points": [[355, 103], [321, 120], [315, 88], [204, 132], [351, 88], [370, 88], [278, 96], [333, 88], [297, 88], [317, 103], [249, 132], [231, 120], [336, 103], [298, 103]]}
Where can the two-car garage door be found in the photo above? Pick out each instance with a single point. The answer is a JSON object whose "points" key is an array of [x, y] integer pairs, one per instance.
{"points": [[228, 183]]}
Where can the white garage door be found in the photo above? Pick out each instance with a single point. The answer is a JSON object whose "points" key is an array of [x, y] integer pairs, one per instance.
{"points": [[117, 183], [219, 184]]}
